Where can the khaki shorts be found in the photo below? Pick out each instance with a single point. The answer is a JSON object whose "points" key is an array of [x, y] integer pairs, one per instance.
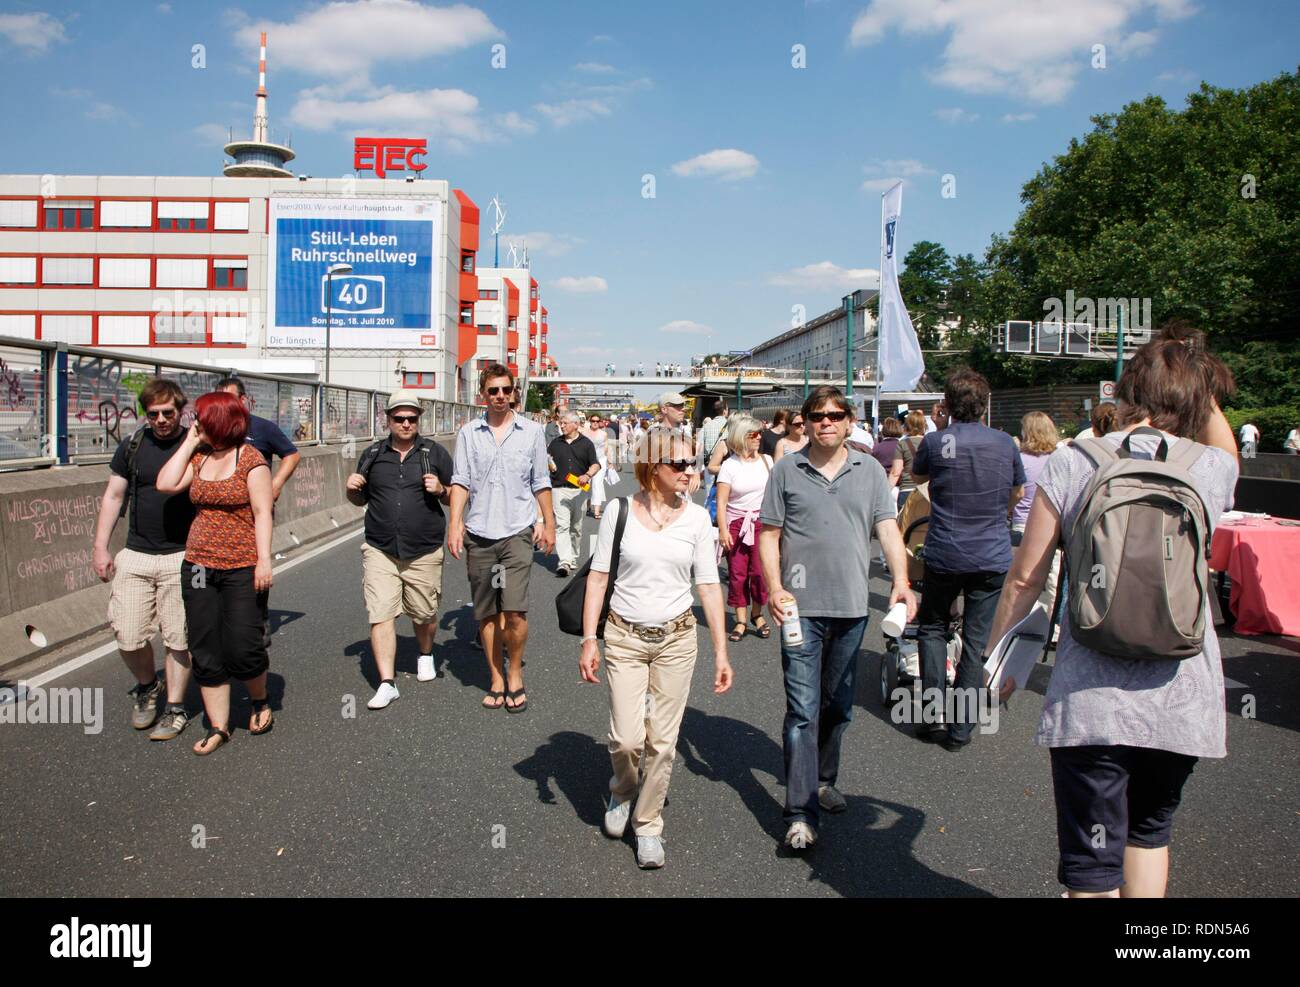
{"points": [[393, 586], [146, 598]]}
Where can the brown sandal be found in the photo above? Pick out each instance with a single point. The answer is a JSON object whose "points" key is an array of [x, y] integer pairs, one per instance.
{"points": [[498, 697], [258, 705], [212, 732]]}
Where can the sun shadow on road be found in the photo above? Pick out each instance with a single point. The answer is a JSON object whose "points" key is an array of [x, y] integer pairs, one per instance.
{"points": [[579, 767], [866, 851]]}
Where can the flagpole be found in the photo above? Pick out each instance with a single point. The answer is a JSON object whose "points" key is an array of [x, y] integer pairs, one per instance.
{"points": [[880, 298]]}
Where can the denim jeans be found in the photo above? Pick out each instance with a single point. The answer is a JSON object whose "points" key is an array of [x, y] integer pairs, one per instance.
{"points": [[981, 591], [819, 677]]}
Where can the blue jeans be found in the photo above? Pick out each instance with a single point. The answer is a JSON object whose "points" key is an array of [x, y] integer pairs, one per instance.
{"points": [[819, 676]]}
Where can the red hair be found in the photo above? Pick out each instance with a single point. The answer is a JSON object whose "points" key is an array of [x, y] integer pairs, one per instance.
{"points": [[223, 419]]}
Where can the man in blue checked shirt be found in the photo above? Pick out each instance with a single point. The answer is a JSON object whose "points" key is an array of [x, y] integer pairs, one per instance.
{"points": [[501, 474]]}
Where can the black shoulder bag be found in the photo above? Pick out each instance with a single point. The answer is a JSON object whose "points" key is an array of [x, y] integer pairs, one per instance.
{"points": [[569, 601]]}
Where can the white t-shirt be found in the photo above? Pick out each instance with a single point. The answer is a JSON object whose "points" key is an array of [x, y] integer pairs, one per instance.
{"points": [[1292, 439], [654, 567], [1249, 433], [748, 482]]}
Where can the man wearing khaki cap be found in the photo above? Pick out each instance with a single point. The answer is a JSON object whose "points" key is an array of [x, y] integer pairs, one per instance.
{"points": [[672, 413], [403, 481]]}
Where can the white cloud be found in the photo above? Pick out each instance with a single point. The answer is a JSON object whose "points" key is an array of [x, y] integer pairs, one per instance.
{"points": [[1034, 51], [513, 123], [212, 133], [688, 327], [597, 68], [888, 172], [449, 116], [1177, 75], [1018, 117], [826, 276], [955, 114], [601, 39], [574, 110], [548, 244], [344, 39], [33, 32], [103, 111], [590, 285], [899, 166], [729, 165], [164, 8]]}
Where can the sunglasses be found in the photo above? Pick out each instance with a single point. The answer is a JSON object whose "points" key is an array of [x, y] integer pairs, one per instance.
{"points": [[757, 432], [821, 416], [494, 391], [168, 413], [679, 465], [679, 407], [405, 419], [798, 424]]}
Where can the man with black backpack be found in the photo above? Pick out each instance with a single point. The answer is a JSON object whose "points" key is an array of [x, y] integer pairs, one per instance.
{"points": [[146, 574], [403, 482]]}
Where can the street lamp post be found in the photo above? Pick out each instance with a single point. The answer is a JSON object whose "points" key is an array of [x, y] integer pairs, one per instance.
{"points": [[848, 346], [332, 270]]}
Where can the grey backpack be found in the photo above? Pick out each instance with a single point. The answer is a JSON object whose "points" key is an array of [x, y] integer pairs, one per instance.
{"points": [[1138, 552]]}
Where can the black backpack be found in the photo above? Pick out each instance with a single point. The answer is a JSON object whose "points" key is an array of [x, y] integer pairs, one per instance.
{"points": [[132, 453], [372, 453]]}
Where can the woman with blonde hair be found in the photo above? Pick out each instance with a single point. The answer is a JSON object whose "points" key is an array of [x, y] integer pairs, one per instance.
{"points": [[650, 639], [914, 425], [742, 481]]}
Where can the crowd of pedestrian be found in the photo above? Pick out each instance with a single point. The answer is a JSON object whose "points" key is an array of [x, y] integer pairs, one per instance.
{"points": [[792, 508]]}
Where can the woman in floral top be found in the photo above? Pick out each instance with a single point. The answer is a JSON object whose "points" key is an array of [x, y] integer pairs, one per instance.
{"points": [[226, 577]]}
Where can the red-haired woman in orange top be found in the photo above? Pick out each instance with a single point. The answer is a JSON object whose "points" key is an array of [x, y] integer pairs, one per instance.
{"points": [[226, 576]]}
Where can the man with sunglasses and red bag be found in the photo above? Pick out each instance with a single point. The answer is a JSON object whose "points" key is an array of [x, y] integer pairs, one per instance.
{"points": [[500, 484], [403, 481]]}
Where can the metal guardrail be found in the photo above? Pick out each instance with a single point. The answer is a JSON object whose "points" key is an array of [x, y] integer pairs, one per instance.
{"points": [[68, 405]]}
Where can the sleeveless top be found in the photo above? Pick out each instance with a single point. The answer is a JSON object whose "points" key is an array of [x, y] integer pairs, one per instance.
{"points": [[223, 535]]}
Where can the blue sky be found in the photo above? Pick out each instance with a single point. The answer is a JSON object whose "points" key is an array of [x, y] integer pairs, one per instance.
{"points": [[767, 176]]}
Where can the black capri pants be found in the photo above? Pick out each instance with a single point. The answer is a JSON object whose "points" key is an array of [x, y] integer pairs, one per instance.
{"points": [[1108, 798], [227, 621]]}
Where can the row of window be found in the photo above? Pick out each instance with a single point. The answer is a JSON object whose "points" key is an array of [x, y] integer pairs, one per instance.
{"points": [[212, 273], [488, 295], [418, 378], [128, 328], [157, 215]]}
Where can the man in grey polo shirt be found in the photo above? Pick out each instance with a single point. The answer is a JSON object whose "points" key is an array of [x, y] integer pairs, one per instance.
{"points": [[820, 508], [501, 474]]}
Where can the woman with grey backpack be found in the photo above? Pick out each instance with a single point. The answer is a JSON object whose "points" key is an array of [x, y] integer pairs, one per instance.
{"points": [[1136, 696]]}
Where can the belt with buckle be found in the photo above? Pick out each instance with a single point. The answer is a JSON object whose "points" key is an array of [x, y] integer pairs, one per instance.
{"points": [[655, 633]]}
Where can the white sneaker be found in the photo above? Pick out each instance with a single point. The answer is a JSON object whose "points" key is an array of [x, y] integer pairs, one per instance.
{"points": [[649, 852], [384, 695], [800, 836], [425, 671], [616, 815]]}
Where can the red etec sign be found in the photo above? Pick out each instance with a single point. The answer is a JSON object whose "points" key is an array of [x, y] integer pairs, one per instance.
{"points": [[384, 154]]}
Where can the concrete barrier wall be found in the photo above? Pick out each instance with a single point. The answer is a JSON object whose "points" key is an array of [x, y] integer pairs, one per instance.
{"points": [[47, 575]]}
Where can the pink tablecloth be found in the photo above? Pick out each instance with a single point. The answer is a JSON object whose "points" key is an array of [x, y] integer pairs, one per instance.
{"points": [[1263, 560]]}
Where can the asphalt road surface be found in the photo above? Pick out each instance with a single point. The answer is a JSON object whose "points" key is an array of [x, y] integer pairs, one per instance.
{"points": [[436, 796]]}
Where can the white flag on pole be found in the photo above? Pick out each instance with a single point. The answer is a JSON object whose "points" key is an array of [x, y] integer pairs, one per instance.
{"points": [[901, 364]]}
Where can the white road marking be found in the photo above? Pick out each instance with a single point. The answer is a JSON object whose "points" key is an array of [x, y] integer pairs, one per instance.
{"points": [[72, 664]]}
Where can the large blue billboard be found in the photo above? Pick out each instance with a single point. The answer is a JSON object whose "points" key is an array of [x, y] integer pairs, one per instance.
{"points": [[388, 299]]}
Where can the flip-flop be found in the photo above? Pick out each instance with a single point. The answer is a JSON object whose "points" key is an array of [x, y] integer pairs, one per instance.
{"points": [[213, 732], [258, 705], [519, 707], [500, 698]]}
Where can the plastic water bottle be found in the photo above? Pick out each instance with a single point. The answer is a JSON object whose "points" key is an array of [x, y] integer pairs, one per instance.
{"points": [[791, 632]]}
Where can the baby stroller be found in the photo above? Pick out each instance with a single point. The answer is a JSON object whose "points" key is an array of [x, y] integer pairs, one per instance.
{"points": [[900, 665]]}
